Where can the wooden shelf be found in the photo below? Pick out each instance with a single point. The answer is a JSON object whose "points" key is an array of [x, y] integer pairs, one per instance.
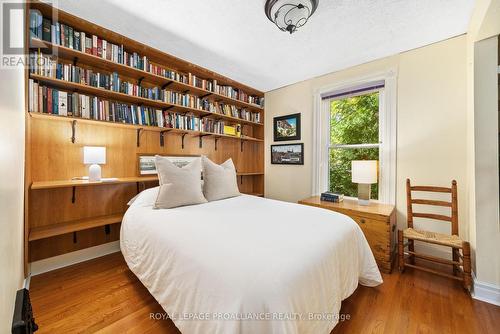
{"points": [[137, 126], [85, 183], [88, 59], [122, 97], [42, 232]]}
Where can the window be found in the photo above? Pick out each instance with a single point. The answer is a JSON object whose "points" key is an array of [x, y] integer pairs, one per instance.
{"points": [[354, 135], [355, 121]]}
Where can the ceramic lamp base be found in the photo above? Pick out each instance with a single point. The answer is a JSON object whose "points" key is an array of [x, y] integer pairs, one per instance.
{"points": [[94, 173], [364, 191]]}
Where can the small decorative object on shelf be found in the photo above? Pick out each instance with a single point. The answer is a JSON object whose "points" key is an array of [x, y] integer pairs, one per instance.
{"points": [[331, 197], [364, 173], [288, 15], [94, 155]]}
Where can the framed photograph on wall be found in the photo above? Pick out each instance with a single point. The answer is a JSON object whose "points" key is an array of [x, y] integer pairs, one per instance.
{"points": [[286, 127], [147, 164], [287, 154]]}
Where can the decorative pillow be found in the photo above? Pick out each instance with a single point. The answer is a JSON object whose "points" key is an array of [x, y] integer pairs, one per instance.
{"points": [[178, 186], [146, 197], [219, 180]]}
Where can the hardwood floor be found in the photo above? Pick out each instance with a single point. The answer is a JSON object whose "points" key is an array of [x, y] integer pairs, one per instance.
{"points": [[103, 296]]}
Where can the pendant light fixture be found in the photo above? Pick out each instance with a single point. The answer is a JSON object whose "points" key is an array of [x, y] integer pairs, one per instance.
{"points": [[289, 15]]}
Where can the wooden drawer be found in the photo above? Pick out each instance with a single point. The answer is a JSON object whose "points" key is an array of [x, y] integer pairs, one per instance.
{"points": [[377, 233], [377, 221]]}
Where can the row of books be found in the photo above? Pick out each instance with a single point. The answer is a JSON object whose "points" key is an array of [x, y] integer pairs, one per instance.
{"points": [[44, 65], [238, 94], [192, 122], [65, 35], [53, 101], [43, 99]]}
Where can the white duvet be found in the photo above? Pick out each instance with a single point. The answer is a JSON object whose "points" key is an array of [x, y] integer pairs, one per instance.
{"points": [[247, 264]]}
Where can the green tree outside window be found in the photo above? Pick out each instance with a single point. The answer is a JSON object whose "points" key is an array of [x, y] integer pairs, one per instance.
{"points": [[353, 120]]}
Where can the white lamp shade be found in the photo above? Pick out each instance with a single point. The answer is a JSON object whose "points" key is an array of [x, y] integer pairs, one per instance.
{"points": [[94, 155], [364, 171]]}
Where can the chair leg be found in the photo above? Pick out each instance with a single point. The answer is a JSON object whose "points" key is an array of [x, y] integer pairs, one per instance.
{"points": [[455, 256], [401, 254], [467, 265], [411, 248]]}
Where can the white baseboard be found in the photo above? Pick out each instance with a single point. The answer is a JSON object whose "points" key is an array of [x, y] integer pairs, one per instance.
{"points": [[485, 292], [60, 261]]}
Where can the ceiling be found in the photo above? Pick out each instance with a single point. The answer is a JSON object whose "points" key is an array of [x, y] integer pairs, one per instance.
{"points": [[235, 38]]}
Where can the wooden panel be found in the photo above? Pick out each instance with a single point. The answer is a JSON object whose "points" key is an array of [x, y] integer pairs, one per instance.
{"points": [[377, 233], [37, 233], [377, 221]]}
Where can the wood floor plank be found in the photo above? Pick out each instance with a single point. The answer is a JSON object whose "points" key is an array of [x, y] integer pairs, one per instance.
{"points": [[104, 296]]}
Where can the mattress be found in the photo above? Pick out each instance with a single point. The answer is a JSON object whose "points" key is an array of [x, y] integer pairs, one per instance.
{"points": [[247, 264]]}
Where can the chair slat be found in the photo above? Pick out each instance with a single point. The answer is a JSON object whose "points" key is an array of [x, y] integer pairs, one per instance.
{"points": [[432, 258], [431, 202], [458, 278], [431, 189], [432, 216]]}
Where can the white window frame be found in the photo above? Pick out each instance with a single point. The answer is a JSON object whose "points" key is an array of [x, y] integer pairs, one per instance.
{"points": [[387, 133]]}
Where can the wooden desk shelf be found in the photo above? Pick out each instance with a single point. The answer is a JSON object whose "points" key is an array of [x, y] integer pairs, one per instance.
{"points": [[85, 183], [42, 232]]}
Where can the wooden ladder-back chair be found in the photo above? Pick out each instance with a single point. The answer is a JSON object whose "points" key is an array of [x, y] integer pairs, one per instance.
{"points": [[461, 262]]}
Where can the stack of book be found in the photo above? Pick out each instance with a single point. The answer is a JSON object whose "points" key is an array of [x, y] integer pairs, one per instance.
{"points": [[331, 197], [43, 28]]}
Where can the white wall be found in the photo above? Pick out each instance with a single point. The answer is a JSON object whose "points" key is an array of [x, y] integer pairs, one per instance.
{"points": [[431, 122], [11, 190], [482, 132], [487, 228]]}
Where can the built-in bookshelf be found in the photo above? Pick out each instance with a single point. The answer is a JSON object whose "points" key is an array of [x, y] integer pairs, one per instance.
{"points": [[89, 86]]}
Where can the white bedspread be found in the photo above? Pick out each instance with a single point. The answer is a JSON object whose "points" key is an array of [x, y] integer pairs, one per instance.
{"points": [[248, 264]]}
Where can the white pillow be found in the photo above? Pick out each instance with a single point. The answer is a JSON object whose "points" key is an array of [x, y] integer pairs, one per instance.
{"points": [[178, 186], [146, 197], [219, 180]]}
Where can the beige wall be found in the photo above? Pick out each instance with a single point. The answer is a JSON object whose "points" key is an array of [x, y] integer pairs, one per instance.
{"points": [[431, 113], [482, 171], [11, 191]]}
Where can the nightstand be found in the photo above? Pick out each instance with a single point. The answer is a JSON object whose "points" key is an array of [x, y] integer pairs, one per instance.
{"points": [[377, 221]]}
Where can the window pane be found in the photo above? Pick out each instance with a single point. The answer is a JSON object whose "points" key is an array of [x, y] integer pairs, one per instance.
{"points": [[354, 120], [340, 170]]}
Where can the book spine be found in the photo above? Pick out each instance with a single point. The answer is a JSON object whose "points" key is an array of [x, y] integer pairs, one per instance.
{"points": [[94, 45]]}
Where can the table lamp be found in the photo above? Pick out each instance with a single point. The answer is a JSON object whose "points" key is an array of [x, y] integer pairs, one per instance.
{"points": [[364, 173], [93, 156]]}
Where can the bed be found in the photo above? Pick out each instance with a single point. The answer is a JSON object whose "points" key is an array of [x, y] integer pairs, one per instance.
{"points": [[247, 264]]}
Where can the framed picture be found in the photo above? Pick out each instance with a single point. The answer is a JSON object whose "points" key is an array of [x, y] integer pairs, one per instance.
{"points": [[147, 164], [287, 154], [287, 127]]}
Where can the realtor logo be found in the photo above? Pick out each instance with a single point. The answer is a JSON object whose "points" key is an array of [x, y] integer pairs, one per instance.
{"points": [[13, 34]]}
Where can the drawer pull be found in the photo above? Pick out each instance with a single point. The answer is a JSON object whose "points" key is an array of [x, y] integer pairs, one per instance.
{"points": [[362, 221]]}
